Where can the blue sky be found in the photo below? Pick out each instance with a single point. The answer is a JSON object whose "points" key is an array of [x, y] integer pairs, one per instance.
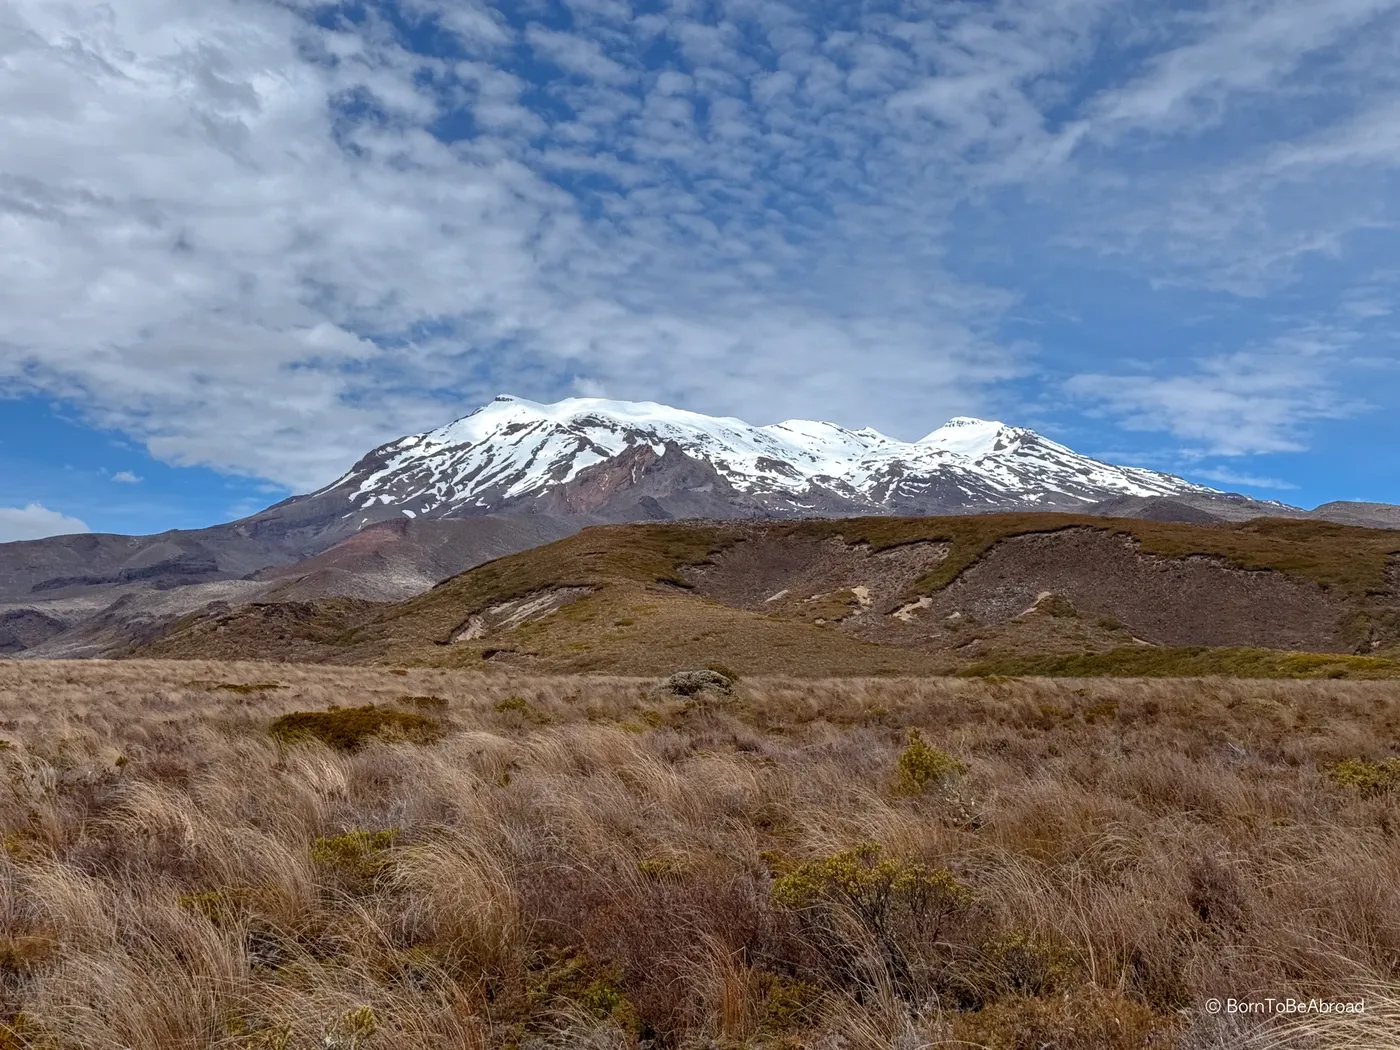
{"points": [[245, 241]]}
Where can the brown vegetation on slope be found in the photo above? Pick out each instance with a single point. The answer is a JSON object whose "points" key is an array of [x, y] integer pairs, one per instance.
{"points": [[870, 596], [864, 864]]}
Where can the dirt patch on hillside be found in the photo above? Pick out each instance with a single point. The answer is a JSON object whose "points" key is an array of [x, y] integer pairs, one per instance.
{"points": [[506, 616], [783, 573], [1166, 601]]}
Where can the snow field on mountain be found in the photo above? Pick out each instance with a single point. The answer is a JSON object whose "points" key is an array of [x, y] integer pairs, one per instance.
{"points": [[512, 447]]}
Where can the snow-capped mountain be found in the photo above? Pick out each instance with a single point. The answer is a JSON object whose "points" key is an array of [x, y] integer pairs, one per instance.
{"points": [[623, 459]]}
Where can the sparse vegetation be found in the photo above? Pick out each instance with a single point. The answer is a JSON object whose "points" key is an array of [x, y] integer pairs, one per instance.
{"points": [[632, 872]]}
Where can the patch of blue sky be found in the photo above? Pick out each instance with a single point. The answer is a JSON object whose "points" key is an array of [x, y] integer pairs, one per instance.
{"points": [[110, 483]]}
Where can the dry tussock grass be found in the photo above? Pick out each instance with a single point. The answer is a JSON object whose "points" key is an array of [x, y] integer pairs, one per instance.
{"points": [[585, 862]]}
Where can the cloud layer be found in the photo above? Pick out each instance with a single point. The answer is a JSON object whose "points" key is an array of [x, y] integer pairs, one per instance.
{"points": [[35, 521], [265, 236]]}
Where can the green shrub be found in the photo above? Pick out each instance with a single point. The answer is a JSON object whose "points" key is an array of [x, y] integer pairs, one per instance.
{"points": [[869, 884], [1151, 661], [220, 907], [902, 905], [1369, 778], [357, 857], [922, 765], [1056, 605], [351, 1030], [788, 1005], [1103, 711], [348, 728], [568, 976], [1025, 963], [604, 999], [667, 867]]}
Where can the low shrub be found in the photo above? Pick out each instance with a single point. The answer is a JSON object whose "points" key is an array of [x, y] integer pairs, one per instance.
{"points": [[900, 906], [349, 728], [1369, 778], [921, 766], [356, 851], [1027, 963], [1085, 1019], [1151, 661], [518, 705]]}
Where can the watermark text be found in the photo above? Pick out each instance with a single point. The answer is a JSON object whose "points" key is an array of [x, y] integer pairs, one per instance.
{"points": [[1285, 1006]]}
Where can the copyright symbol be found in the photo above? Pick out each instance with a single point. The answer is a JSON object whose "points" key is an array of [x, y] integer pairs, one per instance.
{"points": [[1212, 1006]]}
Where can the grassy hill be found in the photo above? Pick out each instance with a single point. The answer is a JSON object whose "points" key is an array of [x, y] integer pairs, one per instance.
{"points": [[875, 596]]}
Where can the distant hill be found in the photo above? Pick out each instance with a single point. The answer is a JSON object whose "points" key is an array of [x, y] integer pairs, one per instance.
{"points": [[873, 596]]}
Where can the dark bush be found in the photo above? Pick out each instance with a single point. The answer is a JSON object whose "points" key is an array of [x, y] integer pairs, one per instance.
{"points": [[347, 728]]}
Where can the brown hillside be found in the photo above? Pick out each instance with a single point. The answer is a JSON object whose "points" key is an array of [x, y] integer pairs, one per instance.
{"points": [[869, 595]]}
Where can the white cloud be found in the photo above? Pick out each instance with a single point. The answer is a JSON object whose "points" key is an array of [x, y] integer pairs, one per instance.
{"points": [[1234, 477], [1240, 48], [233, 234], [209, 255], [1231, 405], [35, 521], [126, 477]]}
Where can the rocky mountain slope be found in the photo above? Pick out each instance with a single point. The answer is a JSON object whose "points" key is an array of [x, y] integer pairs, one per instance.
{"points": [[597, 456]]}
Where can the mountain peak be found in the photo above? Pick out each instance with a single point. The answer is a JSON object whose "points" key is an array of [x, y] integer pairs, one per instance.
{"points": [[512, 450]]}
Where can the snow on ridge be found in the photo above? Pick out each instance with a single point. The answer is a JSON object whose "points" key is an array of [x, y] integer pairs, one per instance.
{"points": [[513, 447]]}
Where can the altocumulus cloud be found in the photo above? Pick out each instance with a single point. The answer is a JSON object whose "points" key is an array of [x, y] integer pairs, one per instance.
{"points": [[264, 236], [35, 521]]}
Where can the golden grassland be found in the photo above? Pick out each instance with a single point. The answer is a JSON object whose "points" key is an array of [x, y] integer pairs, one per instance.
{"points": [[200, 855], [642, 617]]}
